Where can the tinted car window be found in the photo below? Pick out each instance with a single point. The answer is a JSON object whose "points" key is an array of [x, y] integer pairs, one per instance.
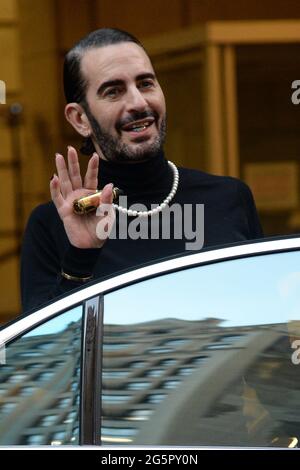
{"points": [[205, 356], [39, 384]]}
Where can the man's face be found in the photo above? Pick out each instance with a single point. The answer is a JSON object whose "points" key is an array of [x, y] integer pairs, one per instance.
{"points": [[125, 104]]}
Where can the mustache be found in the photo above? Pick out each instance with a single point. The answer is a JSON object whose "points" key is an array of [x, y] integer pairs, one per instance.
{"points": [[136, 116]]}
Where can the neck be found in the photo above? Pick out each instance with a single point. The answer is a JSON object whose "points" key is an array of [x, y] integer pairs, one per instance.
{"points": [[140, 177]]}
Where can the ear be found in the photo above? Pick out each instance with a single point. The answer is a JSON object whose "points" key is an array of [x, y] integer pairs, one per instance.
{"points": [[76, 116]]}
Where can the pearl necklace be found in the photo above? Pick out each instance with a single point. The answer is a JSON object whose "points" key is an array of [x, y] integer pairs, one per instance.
{"points": [[161, 206]]}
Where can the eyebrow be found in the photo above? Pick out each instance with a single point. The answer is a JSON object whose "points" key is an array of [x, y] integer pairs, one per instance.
{"points": [[112, 83]]}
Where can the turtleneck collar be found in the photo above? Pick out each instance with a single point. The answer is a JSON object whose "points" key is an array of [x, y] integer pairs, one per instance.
{"points": [[153, 175]]}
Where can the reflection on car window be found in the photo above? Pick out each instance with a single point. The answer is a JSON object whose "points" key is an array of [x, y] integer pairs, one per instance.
{"points": [[39, 384], [217, 354]]}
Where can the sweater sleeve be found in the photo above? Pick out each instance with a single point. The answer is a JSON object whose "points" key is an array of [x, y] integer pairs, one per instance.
{"points": [[45, 253], [254, 225]]}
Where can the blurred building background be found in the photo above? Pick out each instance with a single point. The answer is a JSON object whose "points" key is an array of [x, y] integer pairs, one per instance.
{"points": [[165, 382], [227, 69]]}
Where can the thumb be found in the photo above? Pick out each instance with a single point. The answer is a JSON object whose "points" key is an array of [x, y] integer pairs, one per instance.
{"points": [[107, 194]]}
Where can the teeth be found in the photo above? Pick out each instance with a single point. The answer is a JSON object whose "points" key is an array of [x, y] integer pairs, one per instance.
{"points": [[139, 127]]}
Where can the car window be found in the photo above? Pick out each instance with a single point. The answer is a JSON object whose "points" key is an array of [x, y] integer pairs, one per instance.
{"points": [[40, 384], [205, 356]]}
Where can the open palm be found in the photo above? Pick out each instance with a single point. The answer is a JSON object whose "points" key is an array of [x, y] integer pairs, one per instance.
{"points": [[66, 186]]}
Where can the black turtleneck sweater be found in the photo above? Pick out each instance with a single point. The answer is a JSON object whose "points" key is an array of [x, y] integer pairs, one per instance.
{"points": [[229, 216]]}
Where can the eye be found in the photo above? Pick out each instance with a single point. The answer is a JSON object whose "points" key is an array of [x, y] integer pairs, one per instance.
{"points": [[112, 92], [146, 84]]}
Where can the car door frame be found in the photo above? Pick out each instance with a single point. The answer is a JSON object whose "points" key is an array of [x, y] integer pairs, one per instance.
{"points": [[93, 294]]}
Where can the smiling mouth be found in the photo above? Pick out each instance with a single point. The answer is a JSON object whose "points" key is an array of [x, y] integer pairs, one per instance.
{"points": [[138, 126]]}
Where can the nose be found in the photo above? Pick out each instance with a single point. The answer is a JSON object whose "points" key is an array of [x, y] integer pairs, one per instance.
{"points": [[136, 100]]}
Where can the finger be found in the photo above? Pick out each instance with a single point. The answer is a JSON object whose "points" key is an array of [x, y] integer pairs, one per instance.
{"points": [[63, 175], [56, 193], [107, 194], [74, 168], [105, 209], [91, 177]]}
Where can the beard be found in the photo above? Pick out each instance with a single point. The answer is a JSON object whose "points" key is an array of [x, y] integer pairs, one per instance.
{"points": [[116, 151]]}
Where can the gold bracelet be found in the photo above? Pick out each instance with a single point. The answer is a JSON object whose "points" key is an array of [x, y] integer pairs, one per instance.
{"points": [[75, 278]]}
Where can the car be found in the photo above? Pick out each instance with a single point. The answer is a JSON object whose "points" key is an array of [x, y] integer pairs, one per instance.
{"points": [[200, 349]]}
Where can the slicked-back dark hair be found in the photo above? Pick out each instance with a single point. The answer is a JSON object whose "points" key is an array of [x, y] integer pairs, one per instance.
{"points": [[74, 82]]}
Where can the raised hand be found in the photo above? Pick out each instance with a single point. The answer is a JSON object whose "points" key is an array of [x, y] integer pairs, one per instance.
{"points": [[66, 186]]}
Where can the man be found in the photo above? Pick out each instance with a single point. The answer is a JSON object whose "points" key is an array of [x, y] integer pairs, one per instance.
{"points": [[115, 102]]}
